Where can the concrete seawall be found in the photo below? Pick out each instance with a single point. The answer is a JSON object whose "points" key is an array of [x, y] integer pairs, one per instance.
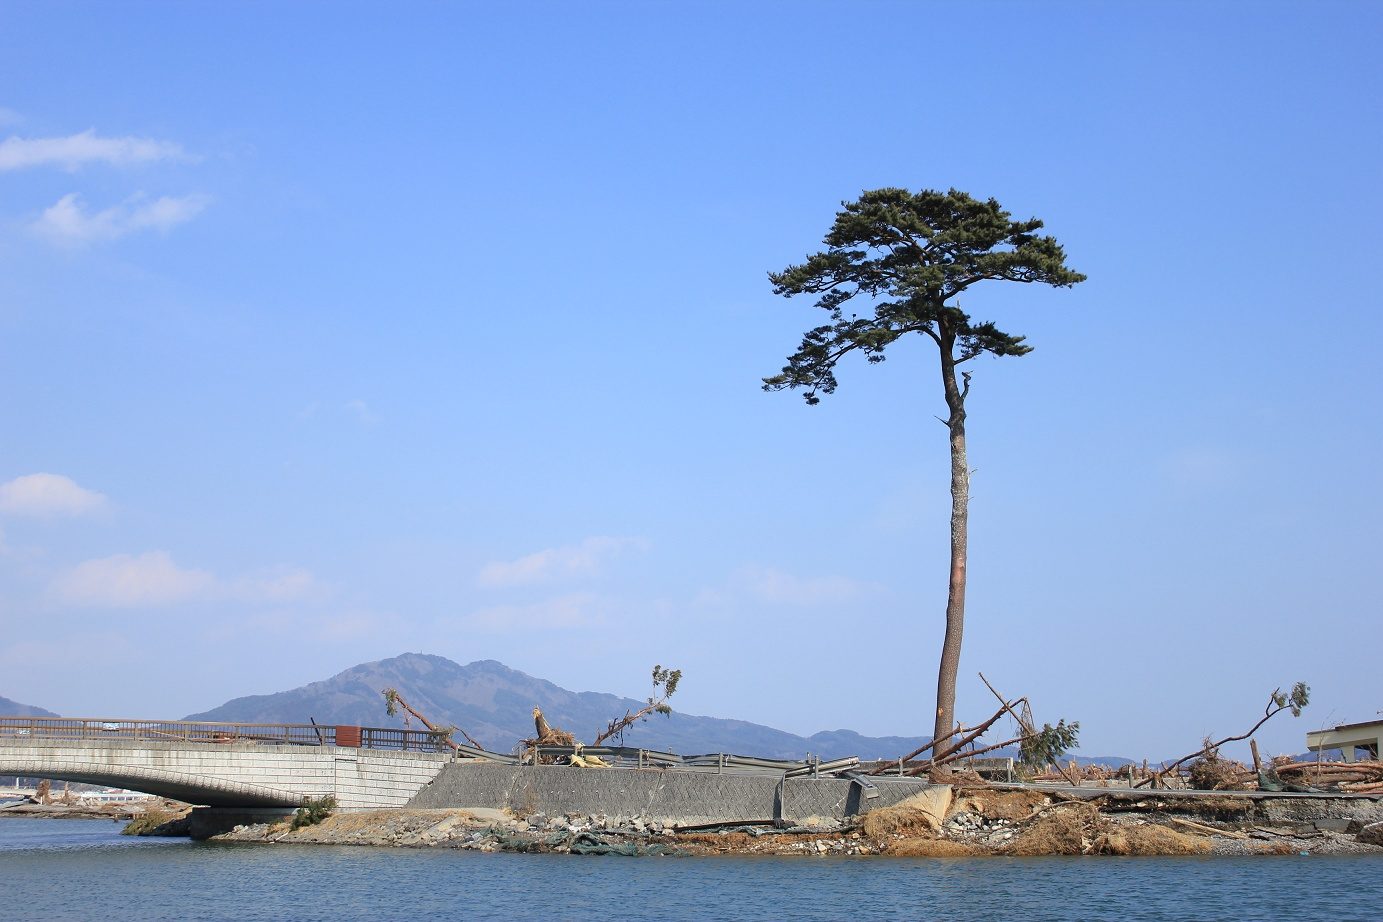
{"points": [[681, 797]]}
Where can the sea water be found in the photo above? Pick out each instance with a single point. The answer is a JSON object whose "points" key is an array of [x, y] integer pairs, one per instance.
{"points": [[83, 869]]}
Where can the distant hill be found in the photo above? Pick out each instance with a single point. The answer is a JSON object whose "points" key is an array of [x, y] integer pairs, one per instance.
{"points": [[495, 705], [10, 708]]}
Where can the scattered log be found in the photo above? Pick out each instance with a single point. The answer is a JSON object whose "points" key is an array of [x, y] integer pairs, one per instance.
{"points": [[1370, 765]]}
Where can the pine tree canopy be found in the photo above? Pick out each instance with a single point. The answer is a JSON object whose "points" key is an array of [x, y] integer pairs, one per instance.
{"points": [[903, 256]]}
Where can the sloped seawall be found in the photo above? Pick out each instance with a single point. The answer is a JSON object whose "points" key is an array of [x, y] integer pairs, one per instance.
{"points": [[680, 797]]}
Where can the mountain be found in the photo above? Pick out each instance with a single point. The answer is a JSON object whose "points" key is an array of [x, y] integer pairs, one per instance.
{"points": [[10, 708], [494, 704]]}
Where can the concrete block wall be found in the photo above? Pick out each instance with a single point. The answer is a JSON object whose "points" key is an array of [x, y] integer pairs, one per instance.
{"points": [[369, 778], [678, 796]]}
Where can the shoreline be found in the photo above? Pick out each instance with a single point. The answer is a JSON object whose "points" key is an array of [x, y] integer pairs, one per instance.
{"points": [[940, 822], [32, 811]]}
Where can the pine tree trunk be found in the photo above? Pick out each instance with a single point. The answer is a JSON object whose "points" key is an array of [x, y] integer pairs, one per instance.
{"points": [[960, 521]]}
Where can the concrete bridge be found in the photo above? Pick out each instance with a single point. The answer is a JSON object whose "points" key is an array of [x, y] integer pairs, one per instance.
{"points": [[227, 765]]}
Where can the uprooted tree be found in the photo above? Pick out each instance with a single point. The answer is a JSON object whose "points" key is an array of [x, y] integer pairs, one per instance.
{"points": [[902, 259]]}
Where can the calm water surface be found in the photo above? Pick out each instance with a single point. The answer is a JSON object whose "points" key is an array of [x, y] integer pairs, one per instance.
{"points": [[83, 869]]}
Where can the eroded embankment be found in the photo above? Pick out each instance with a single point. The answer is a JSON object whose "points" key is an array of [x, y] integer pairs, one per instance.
{"points": [[937, 822]]}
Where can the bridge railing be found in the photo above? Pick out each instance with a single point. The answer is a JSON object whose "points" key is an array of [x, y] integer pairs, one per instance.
{"points": [[192, 731], [402, 740]]}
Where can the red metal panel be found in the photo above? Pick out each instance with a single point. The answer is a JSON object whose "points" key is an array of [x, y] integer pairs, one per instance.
{"points": [[348, 736]]}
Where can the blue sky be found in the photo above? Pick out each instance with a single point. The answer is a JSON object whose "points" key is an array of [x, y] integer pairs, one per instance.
{"points": [[333, 331]]}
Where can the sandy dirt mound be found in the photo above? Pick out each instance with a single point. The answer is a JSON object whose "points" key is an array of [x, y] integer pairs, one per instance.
{"points": [[366, 820], [1015, 806], [1148, 839], [928, 848], [1068, 829], [1080, 829], [920, 814]]}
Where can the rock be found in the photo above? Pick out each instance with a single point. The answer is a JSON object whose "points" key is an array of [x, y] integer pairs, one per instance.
{"points": [[1371, 834], [441, 829]]}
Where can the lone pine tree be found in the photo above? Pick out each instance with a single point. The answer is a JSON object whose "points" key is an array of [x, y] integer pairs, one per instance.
{"points": [[897, 258]]}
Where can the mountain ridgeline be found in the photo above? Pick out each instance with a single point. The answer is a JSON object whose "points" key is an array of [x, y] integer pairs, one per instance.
{"points": [[15, 709], [495, 705]]}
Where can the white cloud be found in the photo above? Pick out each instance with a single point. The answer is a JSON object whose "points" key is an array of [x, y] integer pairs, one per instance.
{"points": [[577, 560], [70, 221], [78, 150], [126, 581], [569, 611], [781, 588], [152, 578], [280, 585], [47, 495]]}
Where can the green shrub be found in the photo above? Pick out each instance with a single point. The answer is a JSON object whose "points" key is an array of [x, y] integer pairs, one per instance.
{"points": [[313, 811]]}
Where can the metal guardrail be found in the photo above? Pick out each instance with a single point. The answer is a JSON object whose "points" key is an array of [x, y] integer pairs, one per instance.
{"points": [[714, 762], [191, 731]]}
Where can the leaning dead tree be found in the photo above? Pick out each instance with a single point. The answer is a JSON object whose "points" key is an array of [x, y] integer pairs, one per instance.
{"points": [[393, 703], [1277, 703], [664, 681]]}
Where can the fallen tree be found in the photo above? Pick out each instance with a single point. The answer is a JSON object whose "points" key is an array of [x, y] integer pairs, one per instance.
{"points": [[1277, 703], [663, 679], [1036, 747], [393, 703]]}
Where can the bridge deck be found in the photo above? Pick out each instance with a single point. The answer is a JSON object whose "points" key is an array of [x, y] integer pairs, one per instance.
{"points": [[227, 764]]}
